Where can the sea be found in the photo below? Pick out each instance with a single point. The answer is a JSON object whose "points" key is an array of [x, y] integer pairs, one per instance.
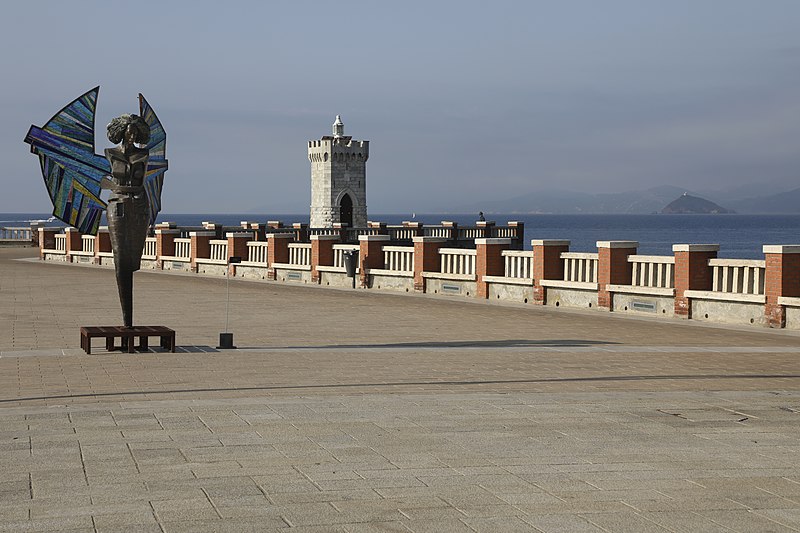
{"points": [[739, 236]]}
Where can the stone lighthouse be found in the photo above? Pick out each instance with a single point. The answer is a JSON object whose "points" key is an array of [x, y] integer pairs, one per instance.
{"points": [[338, 179]]}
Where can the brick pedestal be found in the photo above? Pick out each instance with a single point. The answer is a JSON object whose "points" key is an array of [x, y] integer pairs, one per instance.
{"points": [[370, 255], [547, 264], [165, 244], [201, 247], [486, 227], [613, 268], [277, 251], [321, 253], [237, 247], [73, 243], [692, 273], [47, 240], [426, 258], [489, 261], [518, 241], [781, 278], [102, 244]]}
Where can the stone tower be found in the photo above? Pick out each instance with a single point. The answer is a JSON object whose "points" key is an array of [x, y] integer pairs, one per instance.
{"points": [[338, 179]]}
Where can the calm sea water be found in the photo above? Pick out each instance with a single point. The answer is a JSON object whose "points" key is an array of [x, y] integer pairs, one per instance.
{"points": [[739, 236]]}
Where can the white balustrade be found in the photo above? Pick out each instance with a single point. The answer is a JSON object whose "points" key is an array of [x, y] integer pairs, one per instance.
{"points": [[402, 233], [457, 261], [300, 254], [436, 231], [518, 264], [738, 276], [15, 234], [183, 248], [257, 252], [657, 271], [87, 243], [398, 258], [61, 242], [219, 250], [338, 254], [469, 233], [149, 248], [580, 267]]}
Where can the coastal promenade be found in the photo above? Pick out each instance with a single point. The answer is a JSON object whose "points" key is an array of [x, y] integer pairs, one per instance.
{"points": [[350, 410]]}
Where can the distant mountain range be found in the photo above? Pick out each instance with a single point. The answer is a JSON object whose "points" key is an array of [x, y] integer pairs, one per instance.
{"points": [[653, 200]]}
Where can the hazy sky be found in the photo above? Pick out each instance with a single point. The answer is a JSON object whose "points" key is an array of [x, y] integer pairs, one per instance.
{"points": [[460, 101]]}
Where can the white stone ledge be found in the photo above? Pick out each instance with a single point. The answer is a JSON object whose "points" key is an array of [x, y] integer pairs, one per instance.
{"points": [[202, 234], [425, 238], [456, 277], [105, 254], [82, 253], [59, 252], [204, 261], [253, 264], [374, 238], [144, 257], [325, 237], [509, 281], [561, 284], [726, 296], [174, 259], [791, 301], [695, 247], [392, 273], [501, 240], [635, 289], [287, 266], [549, 242], [781, 248], [617, 244]]}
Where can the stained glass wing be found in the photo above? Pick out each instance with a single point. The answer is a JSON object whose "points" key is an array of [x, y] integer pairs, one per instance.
{"points": [[70, 168], [157, 163]]}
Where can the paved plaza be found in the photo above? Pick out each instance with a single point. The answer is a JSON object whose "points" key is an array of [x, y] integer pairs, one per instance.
{"points": [[355, 411]]}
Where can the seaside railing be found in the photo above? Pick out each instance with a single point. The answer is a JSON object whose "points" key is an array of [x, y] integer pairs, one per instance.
{"points": [[457, 261], [218, 250], [183, 248], [580, 267], [738, 276], [518, 264], [257, 252], [150, 248], [300, 254], [15, 234], [87, 244], [654, 271], [61, 242], [399, 258]]}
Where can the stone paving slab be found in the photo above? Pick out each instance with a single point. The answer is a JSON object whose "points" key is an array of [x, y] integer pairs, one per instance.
{"points": [[346, 411]]}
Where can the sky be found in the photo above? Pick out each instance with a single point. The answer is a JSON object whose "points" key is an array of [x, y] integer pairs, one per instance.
{"points": [[461, 101]]}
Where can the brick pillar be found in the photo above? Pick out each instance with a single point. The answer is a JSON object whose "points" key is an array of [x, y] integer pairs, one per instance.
{"points": [[214, 227], [102, 244], [452, 229], [300, 232], [415, 226], [74, 242], [489, 262], [277, 251], [165, 244], [547, 264], [321, 253], [613, 268], [35, 232], [237, 247], [201, 246], [692, 273], [370, 255], [274, 224], [486, 227], [47, 240], [258, 231], [781, 279], [379, 226], [518, 241], [426, 258]]}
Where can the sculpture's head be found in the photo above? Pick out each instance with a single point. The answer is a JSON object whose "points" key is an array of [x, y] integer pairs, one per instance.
{"points": [[130, 129]]}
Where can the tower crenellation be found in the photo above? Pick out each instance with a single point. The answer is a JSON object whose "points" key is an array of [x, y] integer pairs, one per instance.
{"points": [[338, 179]]}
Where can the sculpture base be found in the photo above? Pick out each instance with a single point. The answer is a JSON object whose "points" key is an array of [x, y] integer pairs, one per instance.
{"points": [[226, 341], [127, 336]]}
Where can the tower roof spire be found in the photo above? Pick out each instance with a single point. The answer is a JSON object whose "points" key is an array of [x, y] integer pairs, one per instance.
{"points": [[338, 127]]}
